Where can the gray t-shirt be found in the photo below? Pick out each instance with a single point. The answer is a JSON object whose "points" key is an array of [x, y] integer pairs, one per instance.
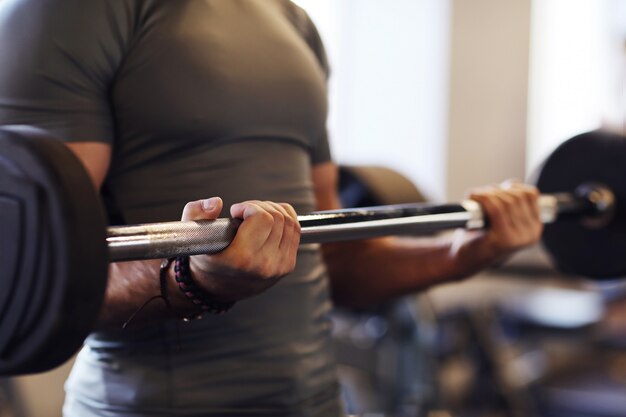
{"points": [[198, 98]]}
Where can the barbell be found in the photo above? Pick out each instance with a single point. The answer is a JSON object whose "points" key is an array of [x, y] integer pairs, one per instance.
{"points": [[55, 244]]}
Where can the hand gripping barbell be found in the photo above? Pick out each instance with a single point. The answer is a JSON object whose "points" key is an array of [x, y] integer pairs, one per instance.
{"points": [[55, 245]]}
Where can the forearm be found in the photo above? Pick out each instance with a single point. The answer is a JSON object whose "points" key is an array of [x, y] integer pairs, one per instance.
{"points": [[369, 272], [131, 285], [263, 250]]}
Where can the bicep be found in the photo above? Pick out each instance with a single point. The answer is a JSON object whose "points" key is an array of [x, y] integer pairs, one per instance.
{"points": [[57, 71], [95, 157], [325, 179]]}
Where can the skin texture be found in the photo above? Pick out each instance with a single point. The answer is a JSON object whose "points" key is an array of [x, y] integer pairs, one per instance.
{"points": [[263, 251], [379, 269], [361, 272]]}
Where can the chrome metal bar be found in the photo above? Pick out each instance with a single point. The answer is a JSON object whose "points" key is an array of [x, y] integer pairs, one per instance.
{"points": [[165, 240], [162, 240], [413, 225]]}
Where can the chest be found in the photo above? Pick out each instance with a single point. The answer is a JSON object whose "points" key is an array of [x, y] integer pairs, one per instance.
{"points": [[219, 69]]}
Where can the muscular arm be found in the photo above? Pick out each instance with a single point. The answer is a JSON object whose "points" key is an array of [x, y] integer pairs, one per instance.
{"points": [[371, 271], [264, 250], [130, 283]]}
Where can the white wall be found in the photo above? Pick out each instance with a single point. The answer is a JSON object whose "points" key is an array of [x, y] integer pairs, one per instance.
{"points": [[459, 93], [488, 93], [397, 101], [389, 77], [574, 80]]}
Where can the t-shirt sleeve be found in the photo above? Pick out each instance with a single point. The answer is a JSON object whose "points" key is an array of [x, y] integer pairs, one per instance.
{"points": [[321, 150], [305, 26], [59, 58]]}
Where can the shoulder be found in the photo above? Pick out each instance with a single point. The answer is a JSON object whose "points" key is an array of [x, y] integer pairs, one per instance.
{"points": [[50, 11], [74, 20], [59, 61], [68, 35], [301, 20], [298, 16]]}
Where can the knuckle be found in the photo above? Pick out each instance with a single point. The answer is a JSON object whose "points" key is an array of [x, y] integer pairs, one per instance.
{"points": [[479, 192], [297, 234], [190, 207], [291, 223], [511, 195], [279, 217], [532, 196], [533, 191], [266, 217], [288, 207], [279, 223]]}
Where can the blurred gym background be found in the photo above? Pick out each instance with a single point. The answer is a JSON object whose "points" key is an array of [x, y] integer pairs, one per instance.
{"points": [[451, 94]]}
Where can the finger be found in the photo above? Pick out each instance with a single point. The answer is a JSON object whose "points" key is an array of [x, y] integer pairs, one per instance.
{"points": [[291, 212], [290, 240], [291, 236], [285, 220], [244, 209], [283, 242], [526, 204], [511, 183], [264, 255], [529, 190], [209, 208], [278, 228], [532, 198], [511, 209], [492, 207], [515, 206], [519, 204], [256, 226]]}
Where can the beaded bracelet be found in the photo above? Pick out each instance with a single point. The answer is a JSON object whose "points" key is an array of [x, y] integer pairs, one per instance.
{"points": [[196, 295]]}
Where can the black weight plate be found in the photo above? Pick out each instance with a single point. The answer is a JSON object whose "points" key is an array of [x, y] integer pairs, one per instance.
{"points": [[597, 157], [53, 251]]}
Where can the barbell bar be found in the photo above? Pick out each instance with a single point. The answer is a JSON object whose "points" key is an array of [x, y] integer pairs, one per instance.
{"points": [[168, 239], [55, 243]]}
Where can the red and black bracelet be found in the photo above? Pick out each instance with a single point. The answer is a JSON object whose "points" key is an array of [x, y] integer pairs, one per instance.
{"points": [[196, 295]]}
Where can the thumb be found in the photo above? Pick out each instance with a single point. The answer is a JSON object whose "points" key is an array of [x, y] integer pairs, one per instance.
{"points": [[207, 209]]}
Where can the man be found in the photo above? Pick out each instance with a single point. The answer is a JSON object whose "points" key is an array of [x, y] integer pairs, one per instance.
{"points": [[170, 102]]}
